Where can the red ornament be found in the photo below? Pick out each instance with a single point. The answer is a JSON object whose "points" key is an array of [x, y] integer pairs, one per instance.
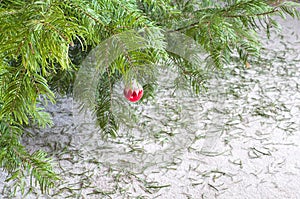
{"points": [[133, 91]]}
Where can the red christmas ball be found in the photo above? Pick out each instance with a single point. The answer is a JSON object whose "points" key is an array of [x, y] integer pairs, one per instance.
{"points": [[133, 91]]}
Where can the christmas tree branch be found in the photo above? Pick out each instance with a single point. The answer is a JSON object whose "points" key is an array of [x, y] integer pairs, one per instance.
{"points": [[19, 163]]}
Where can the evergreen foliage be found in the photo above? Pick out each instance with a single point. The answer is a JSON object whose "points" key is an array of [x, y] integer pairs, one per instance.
{"points": [[42, 44]]}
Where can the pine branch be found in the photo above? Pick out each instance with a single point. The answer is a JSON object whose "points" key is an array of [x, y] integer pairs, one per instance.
{"points": [[19, 163], [189, 74], [104, 107], [19, 96]]}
